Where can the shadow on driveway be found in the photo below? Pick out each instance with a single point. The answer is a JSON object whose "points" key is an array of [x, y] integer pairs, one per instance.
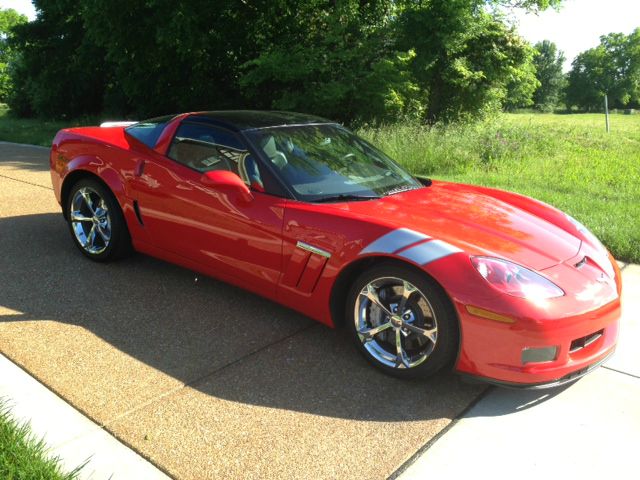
{"points": [[24, 157], [206, 334]]}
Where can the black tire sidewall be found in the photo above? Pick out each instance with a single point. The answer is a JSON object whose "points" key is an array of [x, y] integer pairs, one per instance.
{"points": [[120, 241], [447, 343]]}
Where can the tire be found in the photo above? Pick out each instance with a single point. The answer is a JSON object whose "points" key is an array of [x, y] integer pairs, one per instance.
{"points": [[96, 222], [427, 329]]}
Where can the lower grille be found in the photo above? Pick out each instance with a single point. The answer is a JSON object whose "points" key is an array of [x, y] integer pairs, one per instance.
{"points": [[582, 342]]}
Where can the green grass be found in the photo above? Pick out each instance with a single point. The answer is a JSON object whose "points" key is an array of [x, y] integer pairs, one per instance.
{"points": [[568, 161], [33, 130], [22, 456]]}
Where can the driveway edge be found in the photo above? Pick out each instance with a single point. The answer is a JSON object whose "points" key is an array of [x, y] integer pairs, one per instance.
{"points": [[70, 435], [4, 142]]}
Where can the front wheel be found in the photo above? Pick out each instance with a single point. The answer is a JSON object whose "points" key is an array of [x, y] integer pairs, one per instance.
{"points": [[96, 222], [402, 321]]}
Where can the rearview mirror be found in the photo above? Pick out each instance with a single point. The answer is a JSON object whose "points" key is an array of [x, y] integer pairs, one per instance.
{"points": [[225, 180]]}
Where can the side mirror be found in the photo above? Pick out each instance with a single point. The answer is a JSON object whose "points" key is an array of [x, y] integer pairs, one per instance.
{"points": [[225, 180]]}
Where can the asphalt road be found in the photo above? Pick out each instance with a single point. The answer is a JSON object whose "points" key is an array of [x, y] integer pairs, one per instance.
{"points": [[201, 378]]}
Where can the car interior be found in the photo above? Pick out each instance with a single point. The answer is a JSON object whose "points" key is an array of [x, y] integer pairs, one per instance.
{"points": [[204, 155]]}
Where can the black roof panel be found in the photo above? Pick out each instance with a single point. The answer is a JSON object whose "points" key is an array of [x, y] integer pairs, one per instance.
{"points": [[250, 119]]}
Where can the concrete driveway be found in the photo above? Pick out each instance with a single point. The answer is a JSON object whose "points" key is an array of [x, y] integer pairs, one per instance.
{"points": [[203, 379]]}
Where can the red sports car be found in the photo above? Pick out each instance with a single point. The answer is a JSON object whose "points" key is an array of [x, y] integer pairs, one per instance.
{"points": [[424, 274]]}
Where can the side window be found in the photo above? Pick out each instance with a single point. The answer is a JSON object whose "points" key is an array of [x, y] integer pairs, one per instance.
{"points": [[205, 148]]}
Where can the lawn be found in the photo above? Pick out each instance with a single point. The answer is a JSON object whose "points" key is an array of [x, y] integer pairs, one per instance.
{"points": [[33, 130], [23, 457], [568, 161]]}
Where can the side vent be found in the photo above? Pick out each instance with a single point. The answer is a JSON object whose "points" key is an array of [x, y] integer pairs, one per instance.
{"points": [[136, 209], [305, 267]]}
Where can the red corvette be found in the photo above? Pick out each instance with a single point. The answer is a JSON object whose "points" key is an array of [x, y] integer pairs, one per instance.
{"points": [[298, 209]]}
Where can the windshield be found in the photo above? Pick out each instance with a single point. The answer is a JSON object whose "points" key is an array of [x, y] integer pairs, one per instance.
{"points": [[327, 162]]}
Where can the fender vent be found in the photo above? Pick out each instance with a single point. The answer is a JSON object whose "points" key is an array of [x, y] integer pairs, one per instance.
{"points": [[305, 267], [136, 209]]}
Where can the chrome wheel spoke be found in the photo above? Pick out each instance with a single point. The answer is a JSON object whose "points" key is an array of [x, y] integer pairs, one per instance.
{"points": [[87, 200], [407, 291], [370, 292], [369, 333], [430, 334], [104, 235], [401, 357], [91, 238], [77, 216]]}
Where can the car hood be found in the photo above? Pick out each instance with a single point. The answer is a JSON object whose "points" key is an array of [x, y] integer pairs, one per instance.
{"points": [[474, 222]]}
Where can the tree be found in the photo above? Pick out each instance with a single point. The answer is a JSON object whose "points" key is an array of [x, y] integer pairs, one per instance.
{"points": [[435, 60], [9, 18], [379, 60], [467, 60], [343, 63], [60, 71], [611, 68], [183, 55], [548, 63]]}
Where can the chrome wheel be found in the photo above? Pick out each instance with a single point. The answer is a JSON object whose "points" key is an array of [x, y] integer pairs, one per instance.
{"points": [[395, 322], [90, 220]]}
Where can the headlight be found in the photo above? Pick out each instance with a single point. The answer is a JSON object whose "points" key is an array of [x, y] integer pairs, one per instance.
{"points": [[586, 233], [515, 280]]}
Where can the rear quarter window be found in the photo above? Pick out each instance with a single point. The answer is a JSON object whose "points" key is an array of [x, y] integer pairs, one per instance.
{"points": [[148, 131]]}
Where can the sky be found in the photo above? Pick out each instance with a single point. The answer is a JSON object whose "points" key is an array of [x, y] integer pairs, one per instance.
{"points": [[22, 6], [575, 28], [579, 24]]}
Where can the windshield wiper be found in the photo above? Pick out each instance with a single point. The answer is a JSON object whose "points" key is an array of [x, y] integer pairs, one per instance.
{"points": [[400, 190], [345, 197]]}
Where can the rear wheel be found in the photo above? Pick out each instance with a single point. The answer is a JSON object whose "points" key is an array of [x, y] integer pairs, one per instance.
{"points": [[96, 222], [402, 321]]}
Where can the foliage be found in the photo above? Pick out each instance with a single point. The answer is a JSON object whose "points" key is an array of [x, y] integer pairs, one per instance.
{"points": [[9, 18], [375, 61], [522, 84], [22, 456], [36, 131], [179, 56], [466, 59], [568, 161], [613, 67], [340, 65], [60, 72], [548, 64]]}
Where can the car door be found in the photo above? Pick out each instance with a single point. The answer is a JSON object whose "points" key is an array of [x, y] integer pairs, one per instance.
{"points": [[213, 227]]}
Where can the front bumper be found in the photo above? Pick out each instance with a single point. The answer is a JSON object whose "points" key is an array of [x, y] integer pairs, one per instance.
{"points": [[494, 350], [581, 326], [567, 379]]}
